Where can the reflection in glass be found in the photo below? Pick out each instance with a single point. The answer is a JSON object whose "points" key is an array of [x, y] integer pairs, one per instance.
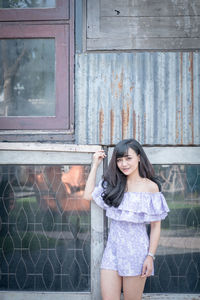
{"points": [[177, 267], [44, 228], [27, 3], [27, 77]]}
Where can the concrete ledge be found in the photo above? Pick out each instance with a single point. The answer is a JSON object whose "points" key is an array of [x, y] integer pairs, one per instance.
{"points": [[171, 296]]}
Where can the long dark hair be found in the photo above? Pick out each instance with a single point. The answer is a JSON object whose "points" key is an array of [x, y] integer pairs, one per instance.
{"points": [[114, 181]]}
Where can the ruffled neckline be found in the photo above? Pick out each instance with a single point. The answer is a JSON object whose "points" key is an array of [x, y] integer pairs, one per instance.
{"points": [[137, 207]]}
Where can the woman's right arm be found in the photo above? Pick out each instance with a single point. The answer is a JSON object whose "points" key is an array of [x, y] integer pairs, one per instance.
{"points": [[91, 181]]}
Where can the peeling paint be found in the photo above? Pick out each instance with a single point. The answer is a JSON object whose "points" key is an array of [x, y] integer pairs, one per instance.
{"points": [[125, 121]]}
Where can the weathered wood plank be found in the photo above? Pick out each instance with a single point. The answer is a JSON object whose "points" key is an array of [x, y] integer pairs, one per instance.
{"points": [[143, 24], [143, 44], [150, 8], [43, 157], [48, 147], [151, 27], [42, 136], [93, 18]]}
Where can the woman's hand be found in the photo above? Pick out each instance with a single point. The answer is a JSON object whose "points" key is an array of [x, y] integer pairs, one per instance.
{"points": [[98, 157], [147, 267]]}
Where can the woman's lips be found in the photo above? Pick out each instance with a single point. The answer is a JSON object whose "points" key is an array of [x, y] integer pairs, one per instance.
{"points": [[125, 170]]}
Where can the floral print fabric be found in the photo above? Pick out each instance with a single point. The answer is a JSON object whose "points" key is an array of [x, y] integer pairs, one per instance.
{"points": [[128, 242], [126, 248]]}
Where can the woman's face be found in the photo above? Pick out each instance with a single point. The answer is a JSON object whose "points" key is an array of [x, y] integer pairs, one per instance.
{"points": [[128, 163]]}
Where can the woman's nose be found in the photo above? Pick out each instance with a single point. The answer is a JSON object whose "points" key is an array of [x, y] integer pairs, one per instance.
{"points": [[124, 162]]}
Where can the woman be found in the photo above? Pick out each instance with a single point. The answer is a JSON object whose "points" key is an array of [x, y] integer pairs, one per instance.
{"points": [[131, 195]]}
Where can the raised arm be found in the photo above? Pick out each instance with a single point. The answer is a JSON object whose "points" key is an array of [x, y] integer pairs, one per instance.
{"points": [[91, 181]]}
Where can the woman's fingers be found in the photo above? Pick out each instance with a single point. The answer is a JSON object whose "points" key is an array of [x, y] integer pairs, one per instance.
{"points": [[147, 268], [99, 156], [144, 270]]}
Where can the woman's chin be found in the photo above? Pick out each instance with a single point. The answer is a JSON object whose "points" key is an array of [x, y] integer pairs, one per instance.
{"points": [[126, 172]]}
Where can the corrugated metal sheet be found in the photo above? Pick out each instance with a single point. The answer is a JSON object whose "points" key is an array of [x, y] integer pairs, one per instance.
{"points": [[152, 96]]}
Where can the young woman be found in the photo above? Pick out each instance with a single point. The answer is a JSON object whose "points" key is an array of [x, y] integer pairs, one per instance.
{"points": [[130, 194]]}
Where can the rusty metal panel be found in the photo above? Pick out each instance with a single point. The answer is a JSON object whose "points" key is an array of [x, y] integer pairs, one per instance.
{"points": [[151, 96]]}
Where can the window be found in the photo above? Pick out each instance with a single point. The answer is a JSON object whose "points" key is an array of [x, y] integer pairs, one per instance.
{"points": [[36, 65], [177, 258], [45, 228], [20, 10], [51, 239]]}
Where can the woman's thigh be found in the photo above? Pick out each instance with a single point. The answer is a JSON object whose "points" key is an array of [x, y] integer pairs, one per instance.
{"points": [[133, 287], [111, 284]]}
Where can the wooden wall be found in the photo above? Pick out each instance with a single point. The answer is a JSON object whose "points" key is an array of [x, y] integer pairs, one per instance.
{"points": [[143, 24]]}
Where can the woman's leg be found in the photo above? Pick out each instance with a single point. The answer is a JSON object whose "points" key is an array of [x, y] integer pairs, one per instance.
{"points": [[111, 284], [133, 287]]}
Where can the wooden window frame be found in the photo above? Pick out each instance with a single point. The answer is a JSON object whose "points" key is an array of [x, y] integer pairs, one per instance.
{"points": [[58, 154], [60, 33], [56, 23], [61, 11]]}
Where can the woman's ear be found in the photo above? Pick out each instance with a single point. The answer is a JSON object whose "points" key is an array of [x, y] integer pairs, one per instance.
{"points": [[138, 157]]}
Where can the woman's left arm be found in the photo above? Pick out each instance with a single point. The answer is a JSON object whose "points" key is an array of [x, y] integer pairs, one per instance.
{"points": [[154, 239]]}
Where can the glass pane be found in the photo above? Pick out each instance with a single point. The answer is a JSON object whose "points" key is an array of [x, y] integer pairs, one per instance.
{"points": [[44, 228], [177, 264], [27, 77], [27, 3]]}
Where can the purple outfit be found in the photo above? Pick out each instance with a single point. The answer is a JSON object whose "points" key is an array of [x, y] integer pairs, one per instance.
{"points": [[128, 242]]}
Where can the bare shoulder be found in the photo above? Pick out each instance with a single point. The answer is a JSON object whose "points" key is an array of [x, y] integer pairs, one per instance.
{"points": [[151, 186]]}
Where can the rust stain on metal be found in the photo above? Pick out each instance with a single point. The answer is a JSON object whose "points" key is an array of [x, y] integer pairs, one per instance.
{"points": [[120, 84], [112, 123], [101, 121], [134, 124], [181, 112], [192, 96], [125, 121]]}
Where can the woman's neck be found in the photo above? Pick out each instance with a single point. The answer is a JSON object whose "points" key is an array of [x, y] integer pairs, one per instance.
{"points": [[134, 177]]}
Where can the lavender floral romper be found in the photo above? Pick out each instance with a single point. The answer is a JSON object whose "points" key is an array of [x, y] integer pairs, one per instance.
{"points": [[128, 242]]}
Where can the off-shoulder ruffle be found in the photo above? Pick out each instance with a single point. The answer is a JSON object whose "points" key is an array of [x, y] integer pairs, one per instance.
{"points": [[136, 207]]}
